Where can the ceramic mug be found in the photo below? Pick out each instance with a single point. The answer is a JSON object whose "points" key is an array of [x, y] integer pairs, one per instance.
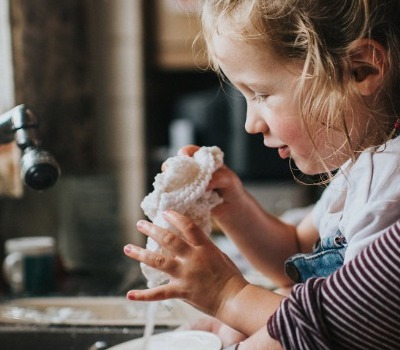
{"points": [[29, 266]]}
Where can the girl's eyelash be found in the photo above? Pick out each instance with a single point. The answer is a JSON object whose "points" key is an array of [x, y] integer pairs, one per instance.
{"points": [[260, 98]]}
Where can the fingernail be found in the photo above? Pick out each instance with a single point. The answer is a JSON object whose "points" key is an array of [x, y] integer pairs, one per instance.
{"points": [[141, 224], [131, 295], [129, 248]]}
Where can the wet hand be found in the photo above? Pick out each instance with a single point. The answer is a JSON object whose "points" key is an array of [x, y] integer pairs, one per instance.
{"points": [[199, 272]]}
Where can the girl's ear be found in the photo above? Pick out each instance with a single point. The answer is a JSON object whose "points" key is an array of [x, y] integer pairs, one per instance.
{"points": [[368, 63]]}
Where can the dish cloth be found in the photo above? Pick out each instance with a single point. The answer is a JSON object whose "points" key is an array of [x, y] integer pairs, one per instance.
{"points": [[182, 187]]}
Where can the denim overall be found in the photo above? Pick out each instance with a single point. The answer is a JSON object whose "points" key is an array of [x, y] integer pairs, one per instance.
{"points": [[327, 257]]}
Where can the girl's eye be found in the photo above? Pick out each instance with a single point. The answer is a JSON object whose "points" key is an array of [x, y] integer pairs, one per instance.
{"points": [[260, 98]]}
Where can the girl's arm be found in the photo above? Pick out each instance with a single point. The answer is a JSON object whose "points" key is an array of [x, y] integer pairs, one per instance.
{"points": [[261, 340], [264, 239], [357, 307]]}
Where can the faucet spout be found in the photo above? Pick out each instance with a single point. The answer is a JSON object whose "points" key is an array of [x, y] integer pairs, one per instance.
{"points": [[39, 169]]}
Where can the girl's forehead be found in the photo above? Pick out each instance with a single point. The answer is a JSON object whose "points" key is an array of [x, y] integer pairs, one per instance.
{"points": [[226, 44], [241, 34], [243, 63], [229, 47]]}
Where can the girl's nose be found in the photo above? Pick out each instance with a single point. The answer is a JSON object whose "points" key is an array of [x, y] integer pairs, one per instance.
{"points": [[255, 124]]}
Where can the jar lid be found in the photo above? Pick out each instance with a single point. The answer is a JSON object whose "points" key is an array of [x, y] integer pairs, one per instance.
{"points": [[30, 245]]}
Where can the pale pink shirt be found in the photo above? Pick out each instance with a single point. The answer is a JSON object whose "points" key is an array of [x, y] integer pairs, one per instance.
{"points": [[364, 200]]}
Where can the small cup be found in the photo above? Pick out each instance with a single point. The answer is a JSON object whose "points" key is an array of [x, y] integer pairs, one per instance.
{"points": [[29, 266]]}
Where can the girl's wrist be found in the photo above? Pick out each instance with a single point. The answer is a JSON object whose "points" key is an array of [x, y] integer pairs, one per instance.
{"points": [[229, 306]]}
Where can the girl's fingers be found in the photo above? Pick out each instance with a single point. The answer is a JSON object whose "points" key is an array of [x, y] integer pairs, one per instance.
{"points": [[188, 150], [154, 294], [158, 261], [189, 229], [166, 239]]}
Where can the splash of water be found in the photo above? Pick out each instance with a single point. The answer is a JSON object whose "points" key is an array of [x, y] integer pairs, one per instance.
{"points": [[151, 313]]}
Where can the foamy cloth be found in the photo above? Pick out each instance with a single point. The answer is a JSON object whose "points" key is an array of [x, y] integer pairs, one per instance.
{"points": [[182, 187]]}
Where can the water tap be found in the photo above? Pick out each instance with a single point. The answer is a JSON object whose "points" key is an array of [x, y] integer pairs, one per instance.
{"points": [[39, 170]]}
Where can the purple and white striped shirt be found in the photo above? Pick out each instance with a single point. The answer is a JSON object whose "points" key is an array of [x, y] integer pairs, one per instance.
{"points": [[357, 307]]}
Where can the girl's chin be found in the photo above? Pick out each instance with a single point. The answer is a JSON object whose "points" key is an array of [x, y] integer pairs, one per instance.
{"points": [[309, 169]]}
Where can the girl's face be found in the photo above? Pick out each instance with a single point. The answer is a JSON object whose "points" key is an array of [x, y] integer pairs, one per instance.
{"points": [[272, 108]]}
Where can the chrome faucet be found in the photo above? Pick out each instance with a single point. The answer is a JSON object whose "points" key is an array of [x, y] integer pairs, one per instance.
{"points": [[39, 170]]}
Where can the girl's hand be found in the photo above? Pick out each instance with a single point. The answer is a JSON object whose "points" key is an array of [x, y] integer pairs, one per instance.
{"points": [[199, 272], [224, 181]]}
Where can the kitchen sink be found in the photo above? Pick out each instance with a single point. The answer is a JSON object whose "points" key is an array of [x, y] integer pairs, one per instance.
{"points": [[80, 323], [33, 337]]}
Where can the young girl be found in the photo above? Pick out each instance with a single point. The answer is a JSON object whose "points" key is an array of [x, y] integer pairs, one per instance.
{"points": [[321, 80]]}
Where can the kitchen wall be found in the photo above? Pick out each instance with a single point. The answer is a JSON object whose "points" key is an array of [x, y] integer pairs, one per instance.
{"points": [[105, 78], [118, 71], [79, 64]]}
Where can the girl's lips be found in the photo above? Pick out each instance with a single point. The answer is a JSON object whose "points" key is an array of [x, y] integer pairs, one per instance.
{"points": [[284, 152]]}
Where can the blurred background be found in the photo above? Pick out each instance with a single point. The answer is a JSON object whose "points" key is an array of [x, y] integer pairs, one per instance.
{"points": [[118, 87]]}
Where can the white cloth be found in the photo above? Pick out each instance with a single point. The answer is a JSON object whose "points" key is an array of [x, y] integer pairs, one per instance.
{"points": [[182, 187], [364, 200]]}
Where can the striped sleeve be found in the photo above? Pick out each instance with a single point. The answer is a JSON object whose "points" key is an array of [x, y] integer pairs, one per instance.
{"points": [[357, 307]]}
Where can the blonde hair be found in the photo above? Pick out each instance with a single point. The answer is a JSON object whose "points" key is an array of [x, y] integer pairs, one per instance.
{"points": [[320, 35]]}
